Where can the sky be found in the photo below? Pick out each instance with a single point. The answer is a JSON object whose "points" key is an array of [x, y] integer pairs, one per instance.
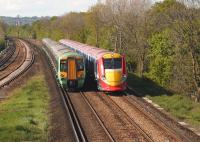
{"points": [[43, 7]]}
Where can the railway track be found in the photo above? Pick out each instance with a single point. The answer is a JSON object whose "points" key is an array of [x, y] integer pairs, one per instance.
{"points": [[116, 121], [14, 62], [147, 123], [10, 60], [82, 131], [6, 54], [93, 126], [168, 122], [95, 116], [16, 66], [75, 123]]}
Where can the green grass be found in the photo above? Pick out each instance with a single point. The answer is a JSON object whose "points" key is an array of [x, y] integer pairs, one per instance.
{"points": [[24, 116], [180, 106]]}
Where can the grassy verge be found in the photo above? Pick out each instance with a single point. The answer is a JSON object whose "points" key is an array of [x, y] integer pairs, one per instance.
{"points": [[24, 116], [180, 106]]}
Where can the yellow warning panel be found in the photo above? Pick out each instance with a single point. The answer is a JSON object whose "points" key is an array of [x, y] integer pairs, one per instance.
{"points": [[113, 76], [109, 56]]}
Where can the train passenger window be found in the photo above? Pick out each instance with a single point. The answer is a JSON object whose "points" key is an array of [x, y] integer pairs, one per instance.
{"points": [[80, 65], [63, 66], [114, 63]]}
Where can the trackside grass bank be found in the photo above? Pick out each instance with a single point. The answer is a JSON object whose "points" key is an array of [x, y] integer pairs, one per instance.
{"points": [[24, 117], [180, 106]]}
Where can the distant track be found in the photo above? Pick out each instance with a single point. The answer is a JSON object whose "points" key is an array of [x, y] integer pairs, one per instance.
{"points": [[6, 54], [19, 68]]}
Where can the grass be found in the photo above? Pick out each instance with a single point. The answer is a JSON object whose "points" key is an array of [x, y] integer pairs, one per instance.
{"points": [[24, 116], [180, 106]]}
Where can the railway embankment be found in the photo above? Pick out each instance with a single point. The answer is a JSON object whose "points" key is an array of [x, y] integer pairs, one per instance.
{"points": [[179, 107], [30, 105], [24, 116]]}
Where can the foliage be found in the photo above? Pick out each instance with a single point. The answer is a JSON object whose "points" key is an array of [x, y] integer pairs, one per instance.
{"points": [[181, 107], [160, 41], [161, 58]]}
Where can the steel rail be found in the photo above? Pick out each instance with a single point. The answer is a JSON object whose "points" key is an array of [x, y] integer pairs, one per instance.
{"points": [[75, 124], [97, 117], [29, 61], [130, 119], [163, 126], [8, 52]]}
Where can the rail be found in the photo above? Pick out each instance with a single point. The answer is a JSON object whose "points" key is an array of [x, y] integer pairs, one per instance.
{"points": [[78, 132], [24, 67]]}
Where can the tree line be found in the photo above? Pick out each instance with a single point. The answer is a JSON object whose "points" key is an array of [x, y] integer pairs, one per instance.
{"points": [[161, 41]]}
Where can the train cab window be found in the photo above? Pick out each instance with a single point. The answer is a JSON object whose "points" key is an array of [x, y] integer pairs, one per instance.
{"points": [[80, 65], [63, 66], [114, 63]]}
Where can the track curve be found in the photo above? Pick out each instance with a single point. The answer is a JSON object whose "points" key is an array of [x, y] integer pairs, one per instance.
{"points": [[27, 62]]}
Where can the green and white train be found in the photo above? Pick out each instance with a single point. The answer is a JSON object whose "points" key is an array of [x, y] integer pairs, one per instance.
{"points": [[70, 66]]}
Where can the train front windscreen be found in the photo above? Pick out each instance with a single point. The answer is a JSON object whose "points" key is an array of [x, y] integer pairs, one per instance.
{"points": [[63, 69], [113, 71], [113, 63]]}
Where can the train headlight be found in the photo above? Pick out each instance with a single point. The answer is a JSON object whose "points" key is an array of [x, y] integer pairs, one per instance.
{"points": [[103, 77], [62, 75], [82, 75], [124, 76]]}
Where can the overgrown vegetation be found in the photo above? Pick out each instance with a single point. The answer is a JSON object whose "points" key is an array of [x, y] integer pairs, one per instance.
{"points": [[161, 41], [24, 116]]}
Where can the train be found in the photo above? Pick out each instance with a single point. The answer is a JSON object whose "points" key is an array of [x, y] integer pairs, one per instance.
{"points": [[69, 65], [108, 68]]}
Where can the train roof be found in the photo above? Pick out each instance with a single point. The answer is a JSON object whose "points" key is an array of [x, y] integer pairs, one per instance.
{"points": [[88, 50], [57, 49]]}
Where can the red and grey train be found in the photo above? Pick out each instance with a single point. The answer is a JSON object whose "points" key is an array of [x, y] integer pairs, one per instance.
{"points": [[108, 68]]}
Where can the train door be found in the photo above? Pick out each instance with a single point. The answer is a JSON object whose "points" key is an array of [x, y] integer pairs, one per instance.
{"points": [[71, 69]]}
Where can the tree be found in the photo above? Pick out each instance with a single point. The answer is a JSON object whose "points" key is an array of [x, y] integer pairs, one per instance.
{"points": [[161, 58]]}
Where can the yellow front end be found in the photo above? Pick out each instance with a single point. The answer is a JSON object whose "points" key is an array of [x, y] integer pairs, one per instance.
{"points": [[113, 76], [113, 69]]}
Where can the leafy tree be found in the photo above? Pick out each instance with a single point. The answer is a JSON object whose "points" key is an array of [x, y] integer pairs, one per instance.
{"points": [[161, 58]]}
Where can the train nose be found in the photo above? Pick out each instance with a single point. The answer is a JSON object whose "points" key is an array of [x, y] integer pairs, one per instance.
{"points": [[113, 77]]}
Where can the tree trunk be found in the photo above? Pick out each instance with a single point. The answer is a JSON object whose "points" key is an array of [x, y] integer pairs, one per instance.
{"points": [[97, 35], [195, 74]]}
